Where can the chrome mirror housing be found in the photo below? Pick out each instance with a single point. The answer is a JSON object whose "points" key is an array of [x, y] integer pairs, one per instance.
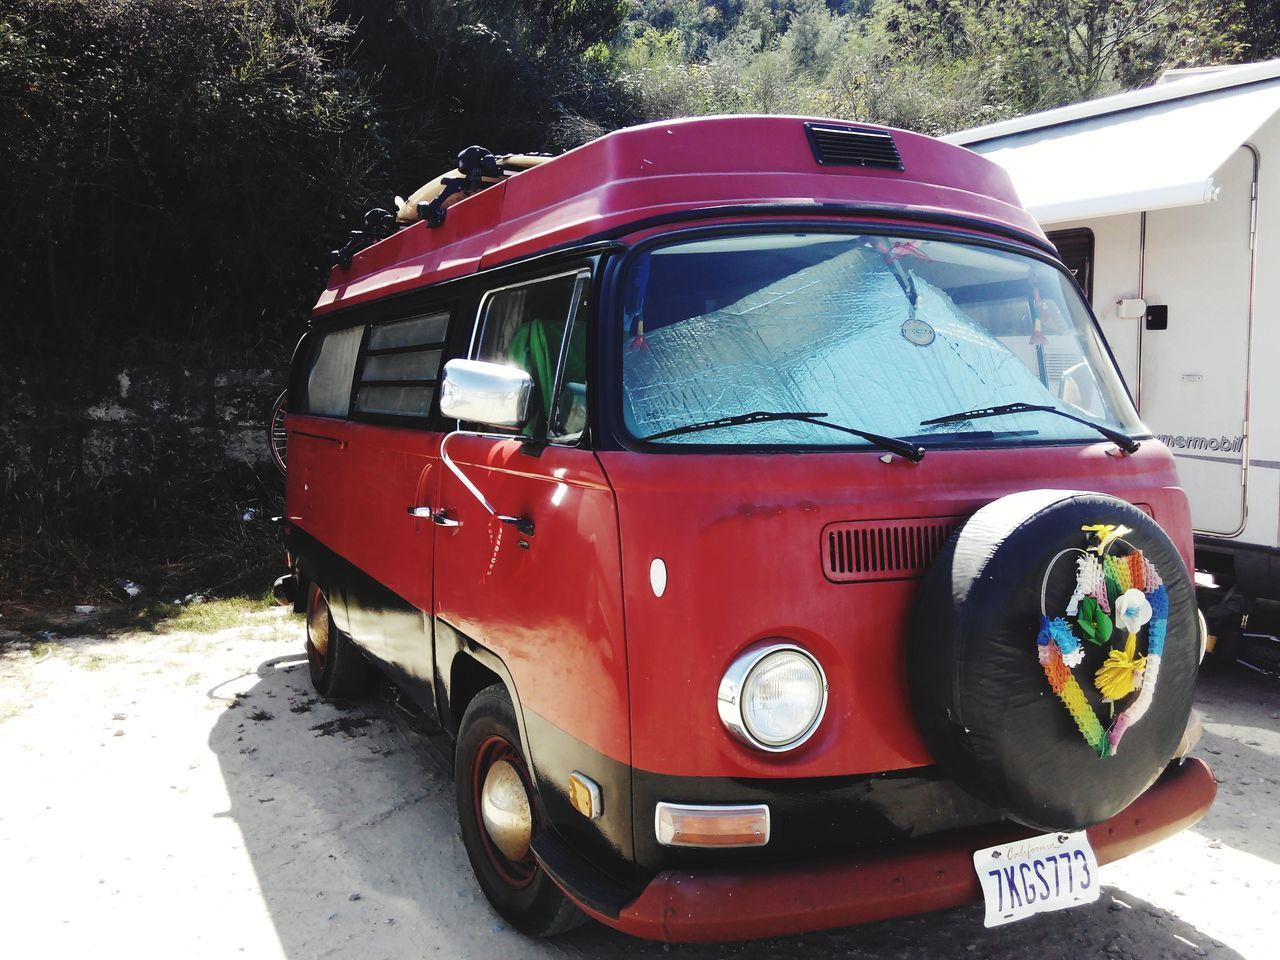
{"points": [[493, 394]]}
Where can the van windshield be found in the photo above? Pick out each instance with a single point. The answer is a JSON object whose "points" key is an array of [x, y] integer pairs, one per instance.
{"points": [[879, 333]]}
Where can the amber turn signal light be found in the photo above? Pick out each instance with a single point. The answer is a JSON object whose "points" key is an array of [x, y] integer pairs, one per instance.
{"points": [[690, 825], [585, 796]]}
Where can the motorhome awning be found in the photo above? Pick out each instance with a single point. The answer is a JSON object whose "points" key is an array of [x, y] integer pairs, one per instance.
{"points": [[1149, 157]]}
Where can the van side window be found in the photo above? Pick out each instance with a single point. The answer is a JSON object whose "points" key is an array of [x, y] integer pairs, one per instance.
{"points": [[402, 366], [569, 415], [328, 384], [532, 327]]}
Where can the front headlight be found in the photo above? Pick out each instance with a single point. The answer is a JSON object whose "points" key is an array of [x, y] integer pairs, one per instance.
{"points": [[773, 697]]}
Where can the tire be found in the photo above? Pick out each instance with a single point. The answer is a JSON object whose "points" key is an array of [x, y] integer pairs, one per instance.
{"points": [[518, 889], [277, 435], [338, 669], [986, 706]]}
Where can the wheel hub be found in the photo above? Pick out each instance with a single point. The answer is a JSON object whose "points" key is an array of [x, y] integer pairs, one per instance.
{"points": [[505, 809], [318, 627]]}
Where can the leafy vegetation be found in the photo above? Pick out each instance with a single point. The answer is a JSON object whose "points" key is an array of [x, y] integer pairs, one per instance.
{"points": [[169, 169], [198, 535], [928, 65], [174, 172]]}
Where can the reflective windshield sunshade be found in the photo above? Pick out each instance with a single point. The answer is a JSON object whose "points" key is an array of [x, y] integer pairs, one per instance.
{"points": [[880, 332]]}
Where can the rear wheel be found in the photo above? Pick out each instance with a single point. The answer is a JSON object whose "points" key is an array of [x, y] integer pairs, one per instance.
{"points": [[277, 435], [338, 670], [498, 812]]}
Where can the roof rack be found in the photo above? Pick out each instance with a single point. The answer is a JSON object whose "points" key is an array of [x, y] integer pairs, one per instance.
{"points": [[477, 169]]}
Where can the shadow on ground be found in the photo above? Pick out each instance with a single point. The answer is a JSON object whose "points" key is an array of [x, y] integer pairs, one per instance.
{"points": [[1241, 741], [349, 819]]}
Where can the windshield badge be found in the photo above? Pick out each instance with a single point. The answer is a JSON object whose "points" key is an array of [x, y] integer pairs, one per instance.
{"points": [[918, 332]]}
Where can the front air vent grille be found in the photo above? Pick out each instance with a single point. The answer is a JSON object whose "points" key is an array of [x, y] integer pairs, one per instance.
{"points": [[861, 550], [853, 146]]}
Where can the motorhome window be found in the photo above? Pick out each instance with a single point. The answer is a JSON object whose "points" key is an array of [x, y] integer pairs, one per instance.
{"points": [[402, 366], [876, 332], [1075, 250], [525, 326], [328, 387]]}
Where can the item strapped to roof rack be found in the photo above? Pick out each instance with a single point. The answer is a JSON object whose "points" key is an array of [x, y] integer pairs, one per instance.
{"points": [[378, 224], [477, 169]]}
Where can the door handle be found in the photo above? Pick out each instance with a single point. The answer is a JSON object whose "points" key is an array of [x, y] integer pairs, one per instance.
{"points": [[439, 517]]}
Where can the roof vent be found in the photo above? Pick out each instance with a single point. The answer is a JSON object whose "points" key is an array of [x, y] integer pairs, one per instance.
{"points": [[862, 550], [853, 146]]}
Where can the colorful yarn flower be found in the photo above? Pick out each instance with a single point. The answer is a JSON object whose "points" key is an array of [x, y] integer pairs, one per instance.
{"points": [[1121, 674], [1130, 589], [1093, 623], [1057, 633], [1088, 580], [1068, 690], [1155, 649], [1105, 532], [1133, 610]]}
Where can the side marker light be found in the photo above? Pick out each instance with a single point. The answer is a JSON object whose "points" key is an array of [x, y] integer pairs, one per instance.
{"points": [[585, 795]]}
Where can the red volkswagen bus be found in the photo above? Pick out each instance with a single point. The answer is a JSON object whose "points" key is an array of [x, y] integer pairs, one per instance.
{"points": [[756, 503]]}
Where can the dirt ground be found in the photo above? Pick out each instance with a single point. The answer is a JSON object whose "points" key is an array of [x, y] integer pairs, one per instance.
{"points": [[186, 795]]}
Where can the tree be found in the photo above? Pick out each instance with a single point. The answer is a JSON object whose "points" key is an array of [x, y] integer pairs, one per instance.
{"points": [[1260, 29], [812, 39], [1049, 52], [167, 166], [1099, 44]]}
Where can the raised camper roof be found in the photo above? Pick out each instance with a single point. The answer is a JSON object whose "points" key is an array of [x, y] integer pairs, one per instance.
{"points": [[727, 166]]}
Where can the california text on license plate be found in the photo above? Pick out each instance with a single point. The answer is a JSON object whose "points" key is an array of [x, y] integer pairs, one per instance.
{"points": [[1035, 875]]}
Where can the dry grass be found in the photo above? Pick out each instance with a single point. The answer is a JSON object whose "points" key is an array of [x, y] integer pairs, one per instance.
{"points": [[210, 536]]}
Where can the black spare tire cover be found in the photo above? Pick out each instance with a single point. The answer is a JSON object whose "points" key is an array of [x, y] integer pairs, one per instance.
{"points": [[986, 705]]}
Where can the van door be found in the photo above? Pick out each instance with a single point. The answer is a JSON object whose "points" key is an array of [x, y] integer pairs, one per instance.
{"points": [[547, 602], [393, 471], [1198, 284]]}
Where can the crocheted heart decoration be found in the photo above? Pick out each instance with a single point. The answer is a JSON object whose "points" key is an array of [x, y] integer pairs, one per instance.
{"points": [[1115, 597]]}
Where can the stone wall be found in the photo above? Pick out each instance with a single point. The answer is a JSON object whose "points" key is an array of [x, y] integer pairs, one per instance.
{"points": [[136, 420]]}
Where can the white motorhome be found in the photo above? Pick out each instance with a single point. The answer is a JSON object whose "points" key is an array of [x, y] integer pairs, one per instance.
{"points": [[1165, 202]]}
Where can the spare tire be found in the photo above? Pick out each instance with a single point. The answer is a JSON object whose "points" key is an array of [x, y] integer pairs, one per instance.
{"points": [[992, 713]]}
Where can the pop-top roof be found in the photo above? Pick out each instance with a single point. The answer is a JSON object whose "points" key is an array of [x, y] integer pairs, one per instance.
{"points": [[1146, 150], [623, 180]]}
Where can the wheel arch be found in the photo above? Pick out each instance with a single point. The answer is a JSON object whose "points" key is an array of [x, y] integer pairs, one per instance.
{"points": [[468, 676], [464, 667]]}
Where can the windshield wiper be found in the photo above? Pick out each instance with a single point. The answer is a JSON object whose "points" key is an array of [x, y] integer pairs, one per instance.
{"points": [[1121, 440], [902, 448]]}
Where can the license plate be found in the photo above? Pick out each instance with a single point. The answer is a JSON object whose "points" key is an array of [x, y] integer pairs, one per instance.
{"points": [[1036, 875]]}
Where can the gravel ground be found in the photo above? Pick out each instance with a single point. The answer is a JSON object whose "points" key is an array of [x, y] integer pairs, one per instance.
{"points": [[186, 795]]}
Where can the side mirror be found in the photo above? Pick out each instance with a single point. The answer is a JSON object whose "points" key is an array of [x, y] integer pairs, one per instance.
{"points": [[493, 394]]}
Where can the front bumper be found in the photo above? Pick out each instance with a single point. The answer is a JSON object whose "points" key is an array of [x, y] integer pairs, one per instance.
{"points": [[934, 873]]}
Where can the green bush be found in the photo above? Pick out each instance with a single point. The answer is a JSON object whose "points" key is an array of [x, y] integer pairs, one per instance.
{"points": [[170, 168]]}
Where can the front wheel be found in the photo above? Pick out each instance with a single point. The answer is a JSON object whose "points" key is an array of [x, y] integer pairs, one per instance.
{"points": [[498, 813]]}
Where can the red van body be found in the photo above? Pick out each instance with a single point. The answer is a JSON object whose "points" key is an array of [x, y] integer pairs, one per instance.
{"points": [[612, 669]]}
